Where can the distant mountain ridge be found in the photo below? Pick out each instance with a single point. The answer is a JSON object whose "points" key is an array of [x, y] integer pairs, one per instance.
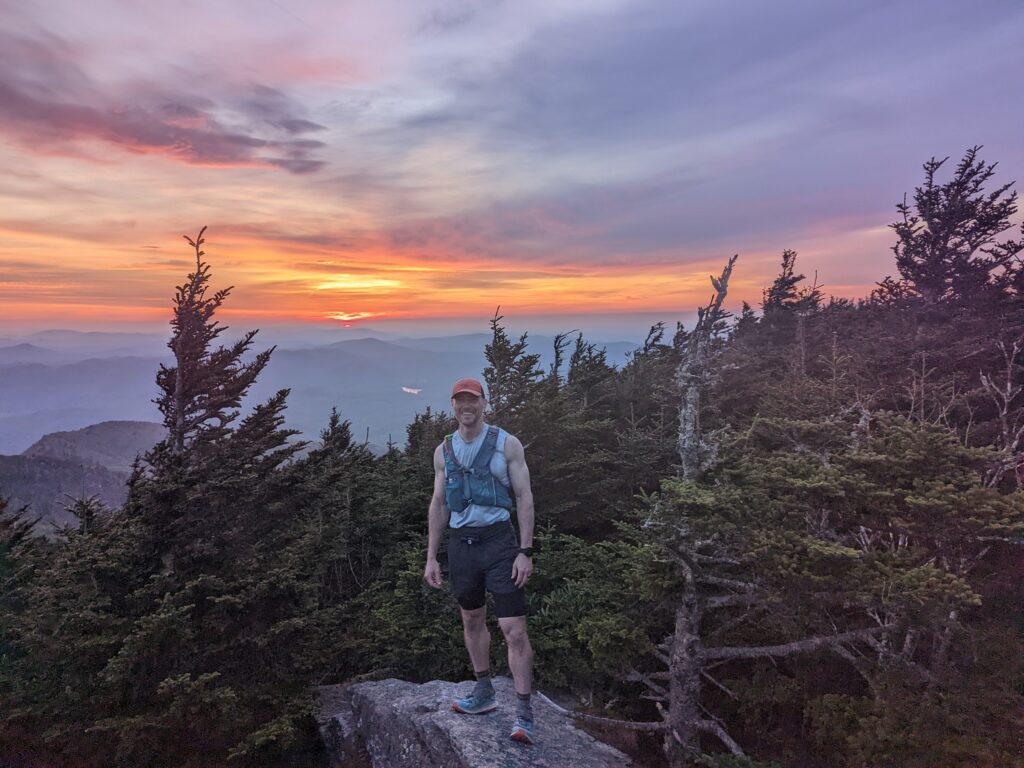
{"points": [[37, 399], [367, 378], [27, 353], [79, 425], [110, 444], [62, 466]]}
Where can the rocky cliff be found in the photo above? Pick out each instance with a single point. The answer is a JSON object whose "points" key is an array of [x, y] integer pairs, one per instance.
{"points": [[396, 724]]}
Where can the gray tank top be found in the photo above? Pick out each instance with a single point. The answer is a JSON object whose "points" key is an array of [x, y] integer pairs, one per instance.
{"points": [[477, 515]]}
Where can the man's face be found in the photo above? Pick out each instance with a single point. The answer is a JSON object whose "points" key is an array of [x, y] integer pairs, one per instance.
{"points": [[469, 408]]}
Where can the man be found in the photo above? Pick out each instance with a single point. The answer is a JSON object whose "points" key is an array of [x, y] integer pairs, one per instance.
{"points": [[474, 468]]}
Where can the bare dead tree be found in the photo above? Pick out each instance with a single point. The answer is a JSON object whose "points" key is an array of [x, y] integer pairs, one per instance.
{"points": [[716, 583], [1009, 415], [693, 376]]}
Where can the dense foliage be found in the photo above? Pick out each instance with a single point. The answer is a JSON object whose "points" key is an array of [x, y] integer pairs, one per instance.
{"points": [[835, 580]]}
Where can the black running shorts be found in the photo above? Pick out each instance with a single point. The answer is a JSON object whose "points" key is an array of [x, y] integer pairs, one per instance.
{"points": [[479, 561]]}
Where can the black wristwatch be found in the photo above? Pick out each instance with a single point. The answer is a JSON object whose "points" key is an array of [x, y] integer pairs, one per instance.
{"points": [[528, 551]]}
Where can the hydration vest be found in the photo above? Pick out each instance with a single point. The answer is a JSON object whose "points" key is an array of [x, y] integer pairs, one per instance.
{"points": [[474, 484]]}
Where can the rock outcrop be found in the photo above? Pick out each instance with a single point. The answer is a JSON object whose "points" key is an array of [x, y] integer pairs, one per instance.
{"points": [[396, 724]]}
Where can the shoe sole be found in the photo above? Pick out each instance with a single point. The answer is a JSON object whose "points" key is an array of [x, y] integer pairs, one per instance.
{"points": [[521, 737], [461, 711]]}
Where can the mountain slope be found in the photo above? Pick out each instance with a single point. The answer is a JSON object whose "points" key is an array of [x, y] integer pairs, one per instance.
{"points": [[27, 353], [46, 485], [110, 444]]}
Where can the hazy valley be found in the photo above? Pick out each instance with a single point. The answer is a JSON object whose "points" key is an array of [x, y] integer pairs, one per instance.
{"points": [[75, 408]]}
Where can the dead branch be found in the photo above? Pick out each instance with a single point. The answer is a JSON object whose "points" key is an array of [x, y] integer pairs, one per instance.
{"points": [[710, 726], [788, 649], [718, 685], [631, 725], [718, 581], [1011, 427], [729, 601], [635, 676]]}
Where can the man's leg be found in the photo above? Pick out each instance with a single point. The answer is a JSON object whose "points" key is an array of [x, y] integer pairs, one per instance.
{"points": [[468, 586], [478, 643], [520, 652], [510, 608], [478, 639], [520, 661]]}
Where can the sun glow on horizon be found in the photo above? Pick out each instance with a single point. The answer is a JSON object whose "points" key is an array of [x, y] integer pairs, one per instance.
{"points": [[349, 317], [354, 283]]}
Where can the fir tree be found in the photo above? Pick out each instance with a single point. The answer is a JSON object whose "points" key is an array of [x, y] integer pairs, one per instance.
{"points": [[16, 552], [513, 378], [200, 393], [947, 240], [199, 613]]}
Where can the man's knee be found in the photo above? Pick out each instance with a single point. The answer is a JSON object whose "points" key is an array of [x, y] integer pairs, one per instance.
{"points": [[515, 633], [474, 620]]}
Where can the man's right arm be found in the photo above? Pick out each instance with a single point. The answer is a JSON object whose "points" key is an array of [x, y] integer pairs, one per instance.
{"points": [[437, 519]]}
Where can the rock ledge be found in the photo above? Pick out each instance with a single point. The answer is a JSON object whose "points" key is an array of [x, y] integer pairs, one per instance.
{"points": [[396, 724]]}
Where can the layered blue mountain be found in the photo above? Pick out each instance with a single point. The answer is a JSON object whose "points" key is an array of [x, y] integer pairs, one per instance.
{"points": [[89, 379]]}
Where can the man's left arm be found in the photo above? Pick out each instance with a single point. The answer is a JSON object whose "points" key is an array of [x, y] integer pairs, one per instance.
{"points": [[519, 477]]}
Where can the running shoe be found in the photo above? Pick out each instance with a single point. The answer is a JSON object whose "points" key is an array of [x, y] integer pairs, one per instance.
{"points": [[475, 704], [522, 731]]}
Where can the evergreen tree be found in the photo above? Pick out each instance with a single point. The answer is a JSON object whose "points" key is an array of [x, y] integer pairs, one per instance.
{"points": [[513, 377], [16, 551], [212, 504], [947, 240], [198, 613], [577, 481], [646, 414], [772, 561], [784, 295], [423, 435], [200, 393]]}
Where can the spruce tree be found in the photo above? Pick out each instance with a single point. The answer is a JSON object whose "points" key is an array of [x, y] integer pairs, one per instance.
{"points": [[202, 390], [948, 245], [213, 507], [513, 378], [199, 608], [16, 553]]}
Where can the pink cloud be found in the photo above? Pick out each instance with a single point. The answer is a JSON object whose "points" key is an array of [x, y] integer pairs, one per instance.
{"points": [[49, 105]]}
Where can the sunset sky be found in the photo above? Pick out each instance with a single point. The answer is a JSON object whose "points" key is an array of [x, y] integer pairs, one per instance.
{"points": [[390, 161]]}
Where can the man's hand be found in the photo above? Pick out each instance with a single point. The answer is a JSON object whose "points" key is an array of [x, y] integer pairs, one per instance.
{"points": [[432, 574], [521, 569]]}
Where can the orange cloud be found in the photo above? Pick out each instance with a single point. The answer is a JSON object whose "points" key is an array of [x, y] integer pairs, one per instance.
{"points": [[372, 282]]}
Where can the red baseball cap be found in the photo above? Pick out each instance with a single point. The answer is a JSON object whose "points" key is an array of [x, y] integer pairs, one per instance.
{"points": [[468, 385]]}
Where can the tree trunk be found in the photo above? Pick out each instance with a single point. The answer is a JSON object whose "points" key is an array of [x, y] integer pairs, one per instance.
{"points": [[682, 738], [689, 420], [682, 721], [691, 377]]}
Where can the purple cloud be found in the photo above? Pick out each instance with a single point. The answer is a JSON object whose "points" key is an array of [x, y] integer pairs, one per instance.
{"points": [[48, 105], [682, 130]]}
